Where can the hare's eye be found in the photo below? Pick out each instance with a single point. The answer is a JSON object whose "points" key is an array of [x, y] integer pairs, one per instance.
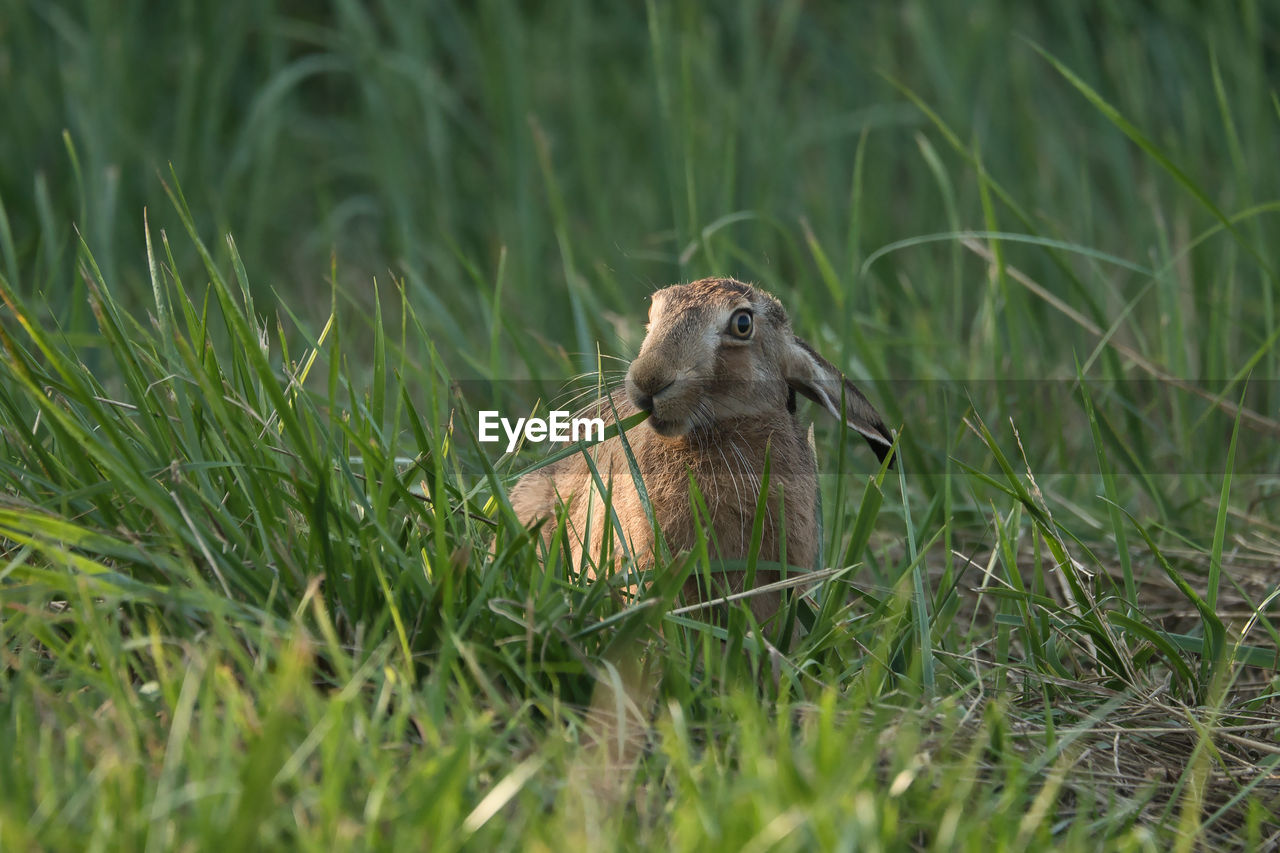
{"points": [[740, 323]]}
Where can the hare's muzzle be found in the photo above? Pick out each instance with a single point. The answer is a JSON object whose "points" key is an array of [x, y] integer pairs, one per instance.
{"points": [[644, 388], [644, 402], [649, 390]]}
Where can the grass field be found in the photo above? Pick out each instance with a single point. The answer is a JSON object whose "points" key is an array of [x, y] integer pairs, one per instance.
{"points": [[262, 262]]}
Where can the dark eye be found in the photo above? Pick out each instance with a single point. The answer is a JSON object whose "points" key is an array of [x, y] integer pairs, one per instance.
{"points": [[740, 323]]}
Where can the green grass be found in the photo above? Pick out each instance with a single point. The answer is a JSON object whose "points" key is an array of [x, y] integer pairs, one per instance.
{"points": [[259, 584]]}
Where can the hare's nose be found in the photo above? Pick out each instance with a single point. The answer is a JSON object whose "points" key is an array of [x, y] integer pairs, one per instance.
{"points": [[645, 389]]}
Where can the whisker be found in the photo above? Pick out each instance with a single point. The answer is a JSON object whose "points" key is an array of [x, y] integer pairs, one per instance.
{"points": [[597, 378], [733, 481], [744, 466]]}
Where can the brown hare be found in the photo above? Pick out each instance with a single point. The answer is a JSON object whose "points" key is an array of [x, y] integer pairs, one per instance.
{"points": [[718, 373]]}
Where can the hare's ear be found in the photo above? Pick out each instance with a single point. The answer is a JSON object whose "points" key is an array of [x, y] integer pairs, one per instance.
{"points": [[816, 378]]}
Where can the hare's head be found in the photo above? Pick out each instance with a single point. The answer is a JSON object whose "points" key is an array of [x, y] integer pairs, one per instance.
{"points": [[718, 349]]}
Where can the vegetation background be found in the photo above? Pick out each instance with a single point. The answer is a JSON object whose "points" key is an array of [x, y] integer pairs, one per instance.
{"points": [[261, 260]]}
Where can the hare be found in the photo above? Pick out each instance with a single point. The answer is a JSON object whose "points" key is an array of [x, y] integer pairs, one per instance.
{"points": [[718, 373]]}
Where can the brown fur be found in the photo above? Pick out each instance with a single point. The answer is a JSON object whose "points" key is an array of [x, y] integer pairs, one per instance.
{"points": [[716, 403]]}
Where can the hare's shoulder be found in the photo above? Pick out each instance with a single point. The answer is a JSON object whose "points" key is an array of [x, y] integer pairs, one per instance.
{"points": [[536, 494]]}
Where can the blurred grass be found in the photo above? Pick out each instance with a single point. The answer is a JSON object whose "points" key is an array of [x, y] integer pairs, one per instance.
{"points": [[247, 596]]}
